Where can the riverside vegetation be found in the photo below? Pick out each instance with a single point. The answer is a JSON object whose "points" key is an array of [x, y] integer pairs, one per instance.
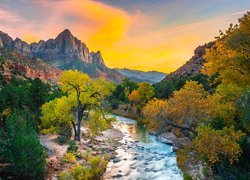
{"points": [[210, 109]]}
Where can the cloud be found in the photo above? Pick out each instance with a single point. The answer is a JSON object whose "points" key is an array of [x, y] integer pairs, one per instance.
{"points": [[146, 35]]}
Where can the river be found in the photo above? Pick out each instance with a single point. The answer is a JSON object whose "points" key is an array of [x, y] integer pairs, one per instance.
{"points": [[141, 156]]}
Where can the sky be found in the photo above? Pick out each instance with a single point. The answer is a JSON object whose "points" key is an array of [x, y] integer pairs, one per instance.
{"points": [[145, 35]]}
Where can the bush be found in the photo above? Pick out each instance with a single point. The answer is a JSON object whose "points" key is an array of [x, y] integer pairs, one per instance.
{"points": [[62, 140], [72, 148], [21, 148], [70, 157], [95, 167]]}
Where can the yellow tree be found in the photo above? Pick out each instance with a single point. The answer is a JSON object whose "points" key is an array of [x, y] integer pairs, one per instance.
{"points": [[142, 94], [83, 94], [213, 146], [186, 109]]}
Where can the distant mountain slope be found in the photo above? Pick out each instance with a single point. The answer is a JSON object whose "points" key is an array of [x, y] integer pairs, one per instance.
{"points": [[193, 66], [141, 76], [64, 52], [19, 65]]}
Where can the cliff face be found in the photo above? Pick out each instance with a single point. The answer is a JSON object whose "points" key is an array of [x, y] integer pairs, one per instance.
{"points": [[193, 66], [13, 64], [64, 52]]}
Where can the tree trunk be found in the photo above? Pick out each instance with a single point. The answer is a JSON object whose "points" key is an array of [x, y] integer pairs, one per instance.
{"points": [[78, 130], [79, 120], [74, 128]]}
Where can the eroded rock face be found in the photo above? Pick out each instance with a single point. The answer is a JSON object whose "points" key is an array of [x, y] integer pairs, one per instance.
{"points": [[193, 66], [11, 69], [64, 48], [18, 65], [5, 40]]}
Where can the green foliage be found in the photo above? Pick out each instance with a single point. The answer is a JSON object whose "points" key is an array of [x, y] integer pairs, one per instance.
{"points": [[62, 140], [20, 146], [121, 92], [97, 124], [165, 89], [186, 176], [73, 148]]}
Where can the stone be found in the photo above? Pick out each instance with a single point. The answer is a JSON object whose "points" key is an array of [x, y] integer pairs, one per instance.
{"points": [[167, 137], [116, 160], [179, 143], [117, 176]]}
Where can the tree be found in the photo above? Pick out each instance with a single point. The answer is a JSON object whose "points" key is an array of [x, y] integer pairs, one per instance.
{"points": [[229, 57], [212, 146], [83, 94], [186, 109], [141, 95], [20, 147]]}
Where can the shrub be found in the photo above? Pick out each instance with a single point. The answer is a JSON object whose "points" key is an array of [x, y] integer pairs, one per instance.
{"points": [[62, 140], [95, 167], [21, 148], [70, 157], [72, 148]]}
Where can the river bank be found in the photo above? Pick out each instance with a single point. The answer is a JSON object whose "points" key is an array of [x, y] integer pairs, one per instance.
{"points": [[105, 143]]}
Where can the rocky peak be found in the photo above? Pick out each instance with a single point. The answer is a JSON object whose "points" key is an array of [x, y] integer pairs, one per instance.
{"points": [[5, 40], [96, 58], [21, 46]]}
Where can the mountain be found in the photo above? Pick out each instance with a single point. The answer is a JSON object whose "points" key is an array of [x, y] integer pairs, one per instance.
{"points": [[63, 52], [193, 66], [141, 76], [14, 64]]}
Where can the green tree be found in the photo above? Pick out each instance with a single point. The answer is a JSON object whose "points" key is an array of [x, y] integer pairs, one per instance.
{"points": [[20, 146]]}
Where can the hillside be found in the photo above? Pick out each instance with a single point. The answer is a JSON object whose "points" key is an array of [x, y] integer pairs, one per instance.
{"points": [[141, 76], [21, 66], [193, 66]]}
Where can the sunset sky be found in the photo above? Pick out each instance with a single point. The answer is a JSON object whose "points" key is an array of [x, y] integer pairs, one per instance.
{"points": [[138, 34]]}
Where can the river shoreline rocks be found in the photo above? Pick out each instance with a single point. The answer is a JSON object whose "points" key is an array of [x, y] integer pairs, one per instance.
{"points": [[171, 139]]}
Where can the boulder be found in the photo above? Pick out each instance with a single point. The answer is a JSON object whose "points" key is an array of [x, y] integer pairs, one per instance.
{"points": [[179, 143], [167, 138]]}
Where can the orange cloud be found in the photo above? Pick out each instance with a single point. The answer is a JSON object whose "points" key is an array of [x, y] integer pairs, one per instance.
{"points": [[132, 40]]}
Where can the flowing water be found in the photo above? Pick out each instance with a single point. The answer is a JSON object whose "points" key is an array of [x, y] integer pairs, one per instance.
{"points": [[141, 156]]}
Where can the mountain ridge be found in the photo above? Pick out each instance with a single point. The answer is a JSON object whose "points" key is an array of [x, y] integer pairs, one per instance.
{"points": [[142, 76], [63, 52]]}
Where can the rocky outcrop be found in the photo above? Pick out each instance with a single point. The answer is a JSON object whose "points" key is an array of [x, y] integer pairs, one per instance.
{"points": [[180, 143], [167, 137], [5, 40], [63, 52], [193, 66], [17, 65], [64, 48]]}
